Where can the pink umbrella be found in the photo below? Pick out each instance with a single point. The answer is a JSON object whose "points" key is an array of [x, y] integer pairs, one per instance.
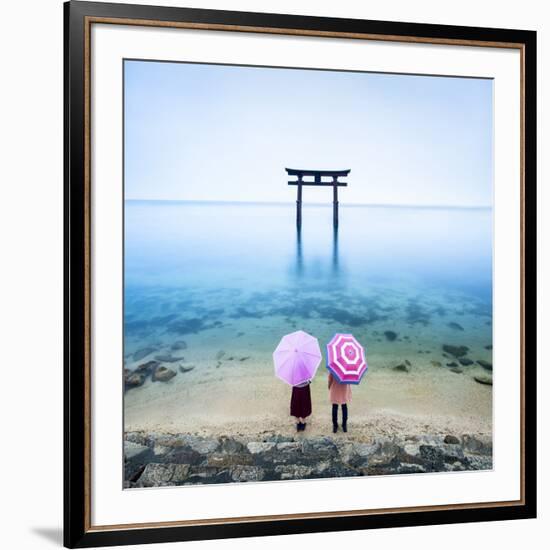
{"points": [[297, 358], [346, 359]]}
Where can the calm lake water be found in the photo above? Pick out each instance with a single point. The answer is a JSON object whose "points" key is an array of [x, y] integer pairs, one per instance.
{"points": [[241, 274]]}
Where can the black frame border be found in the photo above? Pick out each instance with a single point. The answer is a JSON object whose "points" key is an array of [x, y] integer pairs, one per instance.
{"points": [[77, 533]]}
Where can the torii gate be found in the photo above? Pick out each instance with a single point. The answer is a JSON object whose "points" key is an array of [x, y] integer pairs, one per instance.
{"points": [[317, 182]]}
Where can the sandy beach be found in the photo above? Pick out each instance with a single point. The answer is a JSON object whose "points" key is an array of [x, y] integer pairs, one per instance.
{"points": [[225, 398]]}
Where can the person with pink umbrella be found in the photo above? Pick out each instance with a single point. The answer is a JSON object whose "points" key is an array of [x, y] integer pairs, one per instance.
{"points": [[300, 404], [296, 360], [339, 394], [346, 364]]}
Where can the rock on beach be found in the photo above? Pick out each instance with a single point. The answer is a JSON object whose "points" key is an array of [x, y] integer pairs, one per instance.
{"points": [[133, 380], [484, 379], [163, 374]]}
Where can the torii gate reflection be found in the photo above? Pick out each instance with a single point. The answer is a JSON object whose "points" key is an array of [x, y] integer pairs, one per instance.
{"points": [[335, 267]]}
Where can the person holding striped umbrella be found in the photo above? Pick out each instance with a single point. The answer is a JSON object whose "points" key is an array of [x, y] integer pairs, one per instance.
{"points": [[346, 363]]}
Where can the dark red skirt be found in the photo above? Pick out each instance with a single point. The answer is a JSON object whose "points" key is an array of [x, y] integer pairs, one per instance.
{"points": [[300, 402]]}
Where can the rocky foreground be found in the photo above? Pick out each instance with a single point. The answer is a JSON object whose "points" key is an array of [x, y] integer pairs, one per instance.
{"points": [[155, 459]]}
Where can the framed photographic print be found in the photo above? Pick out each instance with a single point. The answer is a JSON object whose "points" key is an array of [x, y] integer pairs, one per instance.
{"points": [[300, 274]]}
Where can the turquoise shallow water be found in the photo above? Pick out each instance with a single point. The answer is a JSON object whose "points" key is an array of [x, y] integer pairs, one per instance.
{"points": [[398, 278]]}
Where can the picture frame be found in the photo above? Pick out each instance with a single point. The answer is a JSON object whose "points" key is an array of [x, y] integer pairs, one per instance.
{"points": [[79, 19]]}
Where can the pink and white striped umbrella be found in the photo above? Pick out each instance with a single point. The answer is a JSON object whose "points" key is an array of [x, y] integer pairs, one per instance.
{"points": [[346, 359], [297, 358]]}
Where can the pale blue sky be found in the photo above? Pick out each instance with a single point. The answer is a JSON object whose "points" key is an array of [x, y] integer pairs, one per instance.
{"points": [[207, 132]]}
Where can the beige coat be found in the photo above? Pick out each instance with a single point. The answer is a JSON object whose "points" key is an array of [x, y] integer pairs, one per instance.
{"points": [[339, 394]]}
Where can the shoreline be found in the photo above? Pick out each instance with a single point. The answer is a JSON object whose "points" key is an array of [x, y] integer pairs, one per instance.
{"points": [[360, 427]]}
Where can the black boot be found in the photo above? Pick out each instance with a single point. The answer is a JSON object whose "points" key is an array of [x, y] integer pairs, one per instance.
{"points": [[299, 427], [334, 418], [345, 417]]}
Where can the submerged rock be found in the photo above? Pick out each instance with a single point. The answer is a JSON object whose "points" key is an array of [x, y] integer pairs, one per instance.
{"points": [[168, 358], [436, 363], [416, 313], [187, 326], [163, 374], [186, 369], [455, 326], [485, 364], [147, 368], [402, 368], [465, 361], [457, 370], [489, 347], [451, 440], [143, 352], [179, 345], [390, 335], [456, 351], [452, 365]]}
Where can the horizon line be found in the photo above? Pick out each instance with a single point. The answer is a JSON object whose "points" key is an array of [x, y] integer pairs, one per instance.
{"points": [[327, 204]]}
